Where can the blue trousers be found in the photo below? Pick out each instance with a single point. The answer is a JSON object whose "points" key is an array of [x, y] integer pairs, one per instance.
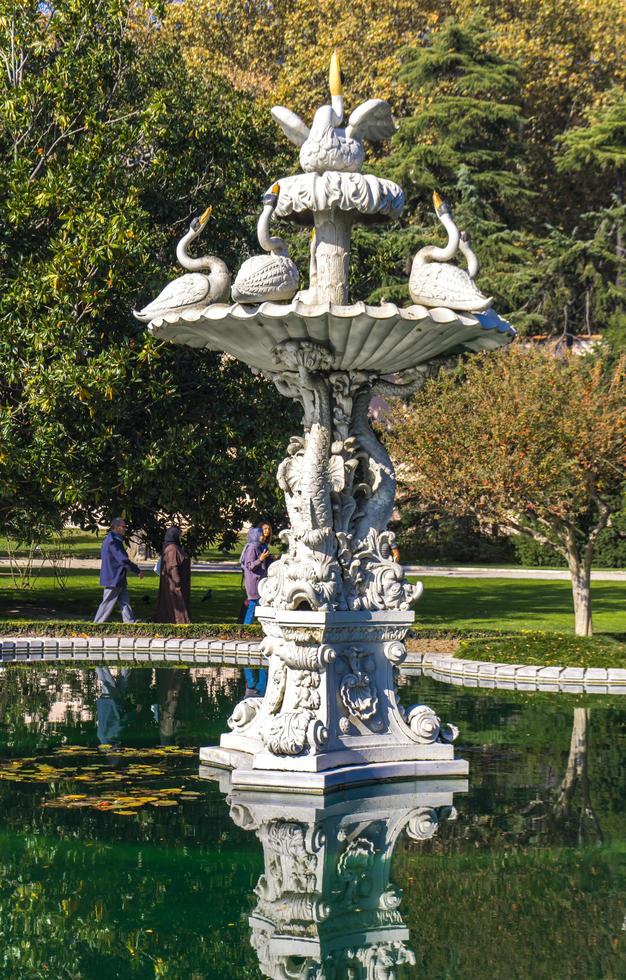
{"points": [[256, 679], [248, 619], [252, 680]]}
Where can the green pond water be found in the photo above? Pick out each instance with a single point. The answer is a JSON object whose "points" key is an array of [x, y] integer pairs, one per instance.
{"points": [[118, 860]]}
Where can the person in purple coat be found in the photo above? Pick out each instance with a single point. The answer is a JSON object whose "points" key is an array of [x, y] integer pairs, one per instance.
{"points": [[254, 558], [115, 564]]}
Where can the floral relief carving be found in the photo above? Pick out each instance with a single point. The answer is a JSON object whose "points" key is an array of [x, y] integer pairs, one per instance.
{"points": [[357, 689]]}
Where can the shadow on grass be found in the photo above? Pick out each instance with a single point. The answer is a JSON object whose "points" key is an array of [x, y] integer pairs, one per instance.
{"points": [[454, 603], [80, 599], [517, 604]]}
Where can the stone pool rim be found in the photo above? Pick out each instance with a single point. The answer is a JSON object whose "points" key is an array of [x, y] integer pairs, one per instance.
{"points": [[247, 653]]}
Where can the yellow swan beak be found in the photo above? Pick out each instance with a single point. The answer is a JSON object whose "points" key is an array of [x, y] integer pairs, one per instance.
{"points": [[204, 217], [276, 189], [334, 75], [437, 201]]}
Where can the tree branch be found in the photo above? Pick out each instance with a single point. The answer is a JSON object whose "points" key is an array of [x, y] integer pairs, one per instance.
{"points": [[604, 512], [515, 526], [46, 154]]}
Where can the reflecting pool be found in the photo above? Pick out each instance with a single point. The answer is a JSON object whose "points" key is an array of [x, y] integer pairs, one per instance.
{"points": [[118, 860]]}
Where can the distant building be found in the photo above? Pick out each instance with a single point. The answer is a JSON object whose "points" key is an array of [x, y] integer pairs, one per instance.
{"points": [[564, 342]]}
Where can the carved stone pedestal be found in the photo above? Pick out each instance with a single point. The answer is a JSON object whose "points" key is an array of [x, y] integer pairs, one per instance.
{"points": [[331, 716], [326, 907]]}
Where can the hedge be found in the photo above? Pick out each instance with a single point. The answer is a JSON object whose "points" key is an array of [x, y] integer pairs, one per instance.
{"points": [[157, 631], [191, 631]]}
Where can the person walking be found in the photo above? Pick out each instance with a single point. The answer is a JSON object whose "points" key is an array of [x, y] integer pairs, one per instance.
{"points": [[254, 559], [114, 566], [174, 582]]}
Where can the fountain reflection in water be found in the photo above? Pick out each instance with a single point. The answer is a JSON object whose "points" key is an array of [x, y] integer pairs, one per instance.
{"points": [[326, 907]]}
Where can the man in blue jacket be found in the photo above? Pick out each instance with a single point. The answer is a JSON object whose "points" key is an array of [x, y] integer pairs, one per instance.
{"points": [[115, 564]]}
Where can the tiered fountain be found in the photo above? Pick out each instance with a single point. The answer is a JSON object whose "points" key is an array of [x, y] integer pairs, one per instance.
{"points": [[336, 607]]}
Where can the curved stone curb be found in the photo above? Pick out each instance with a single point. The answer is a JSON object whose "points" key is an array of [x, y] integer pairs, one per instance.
{"points": [[139, 650], [518, 677], [244, 653]]}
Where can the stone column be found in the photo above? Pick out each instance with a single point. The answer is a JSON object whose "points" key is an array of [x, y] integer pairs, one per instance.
{"points": [[332, 255]]}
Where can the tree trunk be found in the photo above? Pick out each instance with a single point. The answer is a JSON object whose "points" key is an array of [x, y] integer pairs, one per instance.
{"points": [[580, 572], [576, 762], [332, 255], [577, 777]]}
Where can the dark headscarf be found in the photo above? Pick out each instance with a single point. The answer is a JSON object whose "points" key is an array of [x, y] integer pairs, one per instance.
{"points": [[172, 536]]}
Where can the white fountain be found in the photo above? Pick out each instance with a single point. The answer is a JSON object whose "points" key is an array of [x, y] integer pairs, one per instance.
{"points": [[337, 606]]}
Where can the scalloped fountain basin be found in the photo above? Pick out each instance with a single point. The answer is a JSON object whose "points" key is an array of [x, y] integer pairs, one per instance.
{"points": [[382, 339]]}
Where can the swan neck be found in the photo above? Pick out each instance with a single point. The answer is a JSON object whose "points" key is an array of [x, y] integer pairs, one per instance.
{"points": [[187, 262], [269, 243], [450, 250], [470, 258], [452, 247], [337, 108]]}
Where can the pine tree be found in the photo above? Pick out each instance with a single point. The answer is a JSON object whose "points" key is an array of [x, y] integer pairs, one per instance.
{"points": [[465, 135], [598, 150], [465, 139]]}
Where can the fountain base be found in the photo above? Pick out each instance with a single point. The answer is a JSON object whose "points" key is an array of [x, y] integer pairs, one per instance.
{"points": [[245, 776], [331, 717]]}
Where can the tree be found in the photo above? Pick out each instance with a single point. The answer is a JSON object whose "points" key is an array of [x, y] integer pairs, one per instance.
{"points": [[109, 146], [533, 443], [569, 52], [280, 51], [599, 149], [464, 137], [466, 123]]}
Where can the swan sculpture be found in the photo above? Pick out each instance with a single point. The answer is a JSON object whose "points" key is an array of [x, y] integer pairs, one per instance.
{"points": [[326, 146], [195, 290], [267, 278], [435, 283]]}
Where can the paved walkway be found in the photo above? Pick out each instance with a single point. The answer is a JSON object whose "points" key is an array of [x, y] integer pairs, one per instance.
{"points": [[232, 567], [460, 571]]}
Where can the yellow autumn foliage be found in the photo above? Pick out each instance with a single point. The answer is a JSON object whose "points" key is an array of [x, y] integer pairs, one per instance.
{"points": [[570, 51], [281, 52]]}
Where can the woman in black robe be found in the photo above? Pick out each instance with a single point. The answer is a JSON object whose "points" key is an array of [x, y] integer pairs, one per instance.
{"points": [[174, 582]]}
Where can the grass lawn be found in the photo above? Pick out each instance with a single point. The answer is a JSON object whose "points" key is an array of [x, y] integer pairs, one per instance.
{"points": [[547, 650], [447, 604], [516, 604]]}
